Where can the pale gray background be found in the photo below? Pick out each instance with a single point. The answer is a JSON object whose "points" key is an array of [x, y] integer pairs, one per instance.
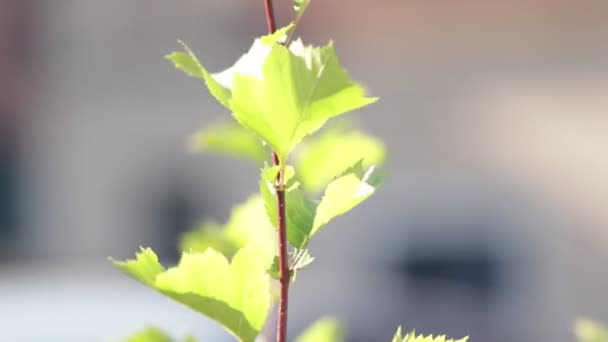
{"points": [[495, 115]]}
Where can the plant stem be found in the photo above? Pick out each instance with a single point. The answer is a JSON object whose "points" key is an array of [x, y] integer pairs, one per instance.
{"points": [[270, 16], [283, 264], [284, 273]]}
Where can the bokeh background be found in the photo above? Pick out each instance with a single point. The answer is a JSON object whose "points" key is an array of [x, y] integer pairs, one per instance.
{"points": [[493, 222]]}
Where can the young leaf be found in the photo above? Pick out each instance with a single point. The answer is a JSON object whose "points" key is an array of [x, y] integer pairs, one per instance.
{"points": [[277, 36], [332, 152], [590, 331], [230, 139], [187, 62], [299, 260], [313, 88], [153, 334], [247, 225], [399, 336], [251, 63], [412, 337], [150, 334], [344, 193], [281, 94], [305, 217], [236, 294], [326, 329], [220, 84], [209, 234]]}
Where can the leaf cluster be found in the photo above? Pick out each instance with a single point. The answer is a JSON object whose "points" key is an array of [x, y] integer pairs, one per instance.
{"points": [[280, 93]]}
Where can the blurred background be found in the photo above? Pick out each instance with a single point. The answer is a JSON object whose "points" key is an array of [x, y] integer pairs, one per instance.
{"points": [[493, 222]]}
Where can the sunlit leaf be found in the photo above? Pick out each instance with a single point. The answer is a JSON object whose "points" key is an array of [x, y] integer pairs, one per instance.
{"points": [[230, 139], [187, 62], [326, 329], [313, 88], [412, 337], [150, 334], [306, 217], [281, 94], [590, 331], [333, 151], [277, 36], [344, 193], [236, 294], [248, 224], [153, 334]]}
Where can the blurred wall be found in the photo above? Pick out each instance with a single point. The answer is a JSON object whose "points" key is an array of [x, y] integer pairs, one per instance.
{"points": [[493, 221]]}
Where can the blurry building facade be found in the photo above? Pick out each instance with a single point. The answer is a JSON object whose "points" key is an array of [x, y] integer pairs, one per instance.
{"points": [[493, 220]]}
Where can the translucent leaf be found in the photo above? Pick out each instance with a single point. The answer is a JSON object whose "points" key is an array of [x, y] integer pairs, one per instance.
{"points": [[187, 62], [326, 329], [281, 94], [150, 334], [332, 152], [313, 88], [236, 294], [344, 193], [590, 331], [412, 337], [251, 63], [230, 139], [220, 84], [153, 334], [298, 259], [248, 224], [306, 217], [399, 336], [209, 234], [277, 36]]}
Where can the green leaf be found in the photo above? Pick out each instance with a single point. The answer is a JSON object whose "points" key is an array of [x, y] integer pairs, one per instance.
{"points": [[399, 336], [248, 224], [300, 259], [220, 84], [296, 91], [236, 294], [150, 334], [306, 217], [281, 94], [188, 63], [326, 329], [344, 193], [412, 337], [153, 334], [232, 140], [336, 149], [278, 35], [299, 210], [590, 331]]}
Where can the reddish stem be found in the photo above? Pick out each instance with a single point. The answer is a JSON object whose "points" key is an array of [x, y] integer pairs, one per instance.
{"points": [[270, 16], [283, 265], [284, 273]]}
